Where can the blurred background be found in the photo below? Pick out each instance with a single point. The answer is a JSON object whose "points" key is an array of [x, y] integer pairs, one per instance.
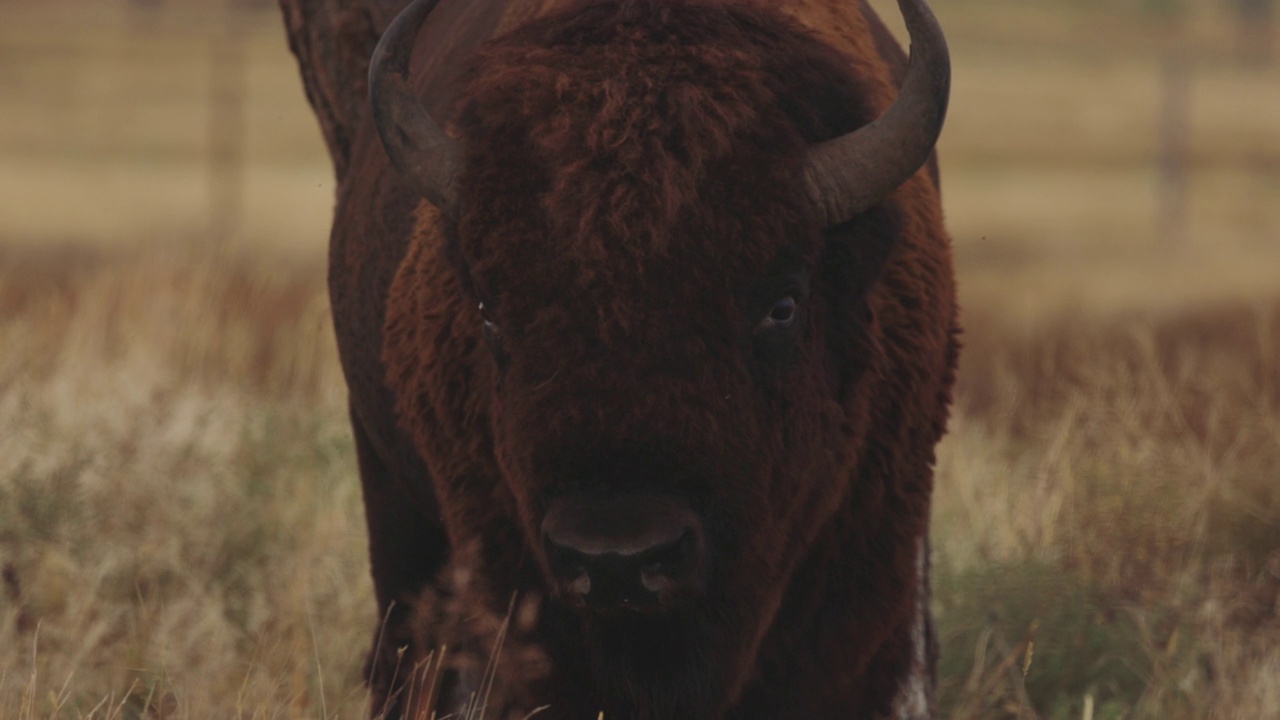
{"points": [[180, 528]]}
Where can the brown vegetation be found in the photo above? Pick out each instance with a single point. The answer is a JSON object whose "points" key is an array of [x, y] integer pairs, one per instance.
{"points": [[1108, 517], [180, 526]]}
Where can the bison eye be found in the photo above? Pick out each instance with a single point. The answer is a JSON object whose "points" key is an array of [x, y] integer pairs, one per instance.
{"points": [[781, 315]]}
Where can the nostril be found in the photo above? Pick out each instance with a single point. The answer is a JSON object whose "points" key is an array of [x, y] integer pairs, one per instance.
{"points": [[581, 583], [636, 552], [657, 581], [661, 566], [568, 564]]}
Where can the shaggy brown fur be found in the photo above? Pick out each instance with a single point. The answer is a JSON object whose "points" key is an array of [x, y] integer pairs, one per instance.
{"points": [[631, 208]]}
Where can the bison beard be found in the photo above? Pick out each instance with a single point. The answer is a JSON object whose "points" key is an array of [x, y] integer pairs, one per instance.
{"points": [[627, 295], [658, 668]]}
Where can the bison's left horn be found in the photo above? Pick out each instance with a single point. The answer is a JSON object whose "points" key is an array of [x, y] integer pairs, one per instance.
{"points": [[849, 174], [416, 144]]}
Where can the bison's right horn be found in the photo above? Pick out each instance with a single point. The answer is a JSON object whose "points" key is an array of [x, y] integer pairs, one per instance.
{"points": [[417, 145], [849, 174]]}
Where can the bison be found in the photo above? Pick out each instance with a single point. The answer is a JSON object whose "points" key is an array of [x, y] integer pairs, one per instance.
{"points": [[648, 352]]}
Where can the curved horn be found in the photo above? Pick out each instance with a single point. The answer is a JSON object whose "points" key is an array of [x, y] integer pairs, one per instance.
{"points": [[418, 147], [846, 175]]}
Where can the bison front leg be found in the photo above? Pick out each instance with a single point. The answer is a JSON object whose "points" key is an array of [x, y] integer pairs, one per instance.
{"points": [[407, 548]]}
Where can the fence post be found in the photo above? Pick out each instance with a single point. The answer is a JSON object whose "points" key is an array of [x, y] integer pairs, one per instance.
{"points": [[1255, 24], [1175, 92], [226, 125]]}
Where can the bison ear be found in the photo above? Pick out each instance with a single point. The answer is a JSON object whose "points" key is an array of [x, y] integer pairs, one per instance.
{"points": [[852, 262], [856, 252]]}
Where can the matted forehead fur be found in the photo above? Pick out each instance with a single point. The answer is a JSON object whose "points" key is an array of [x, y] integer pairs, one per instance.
{"points": [[619, 146]]}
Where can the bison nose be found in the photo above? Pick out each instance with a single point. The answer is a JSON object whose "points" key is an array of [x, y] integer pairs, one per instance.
{"points": [[625, 552]]}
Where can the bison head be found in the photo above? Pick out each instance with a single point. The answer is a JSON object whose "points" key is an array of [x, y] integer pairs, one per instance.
{"points": [[666, 219]]}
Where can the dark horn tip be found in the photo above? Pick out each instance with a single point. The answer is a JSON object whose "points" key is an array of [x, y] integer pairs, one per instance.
{"points": [[851, 173], [417, 146]]}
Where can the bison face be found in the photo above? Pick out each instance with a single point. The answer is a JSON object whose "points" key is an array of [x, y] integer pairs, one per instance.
{"points": [[669, 322], [663, 425], [664, 404], [668, 400]]}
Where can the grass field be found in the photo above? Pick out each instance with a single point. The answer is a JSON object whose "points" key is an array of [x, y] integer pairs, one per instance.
{"points": [[181, 533]]}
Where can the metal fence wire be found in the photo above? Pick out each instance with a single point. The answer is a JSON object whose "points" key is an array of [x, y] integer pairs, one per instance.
{"points": [[182, 118]]}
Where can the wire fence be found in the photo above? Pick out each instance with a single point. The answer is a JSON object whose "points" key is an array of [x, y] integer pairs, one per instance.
{"points": [[181, 118]]}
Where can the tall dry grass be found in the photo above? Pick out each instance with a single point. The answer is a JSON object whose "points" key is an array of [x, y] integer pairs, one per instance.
{"points": [[1108, 517], [181, 537], [180, 530]]}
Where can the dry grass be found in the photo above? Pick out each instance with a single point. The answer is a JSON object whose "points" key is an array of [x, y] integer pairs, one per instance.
{"points": [[180, 521], [180, 528], [181, 536], [1109, 493]]}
